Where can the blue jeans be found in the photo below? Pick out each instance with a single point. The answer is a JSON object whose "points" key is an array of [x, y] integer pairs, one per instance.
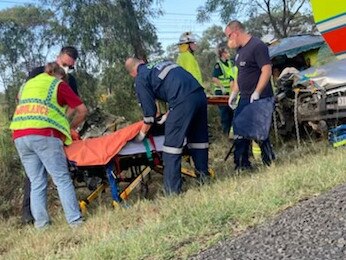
{"points": [[39, 155]]}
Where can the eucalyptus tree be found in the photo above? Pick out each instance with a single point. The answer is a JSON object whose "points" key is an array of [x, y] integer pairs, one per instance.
{"points": [[26, 38], [278, 17], [106, 32]]}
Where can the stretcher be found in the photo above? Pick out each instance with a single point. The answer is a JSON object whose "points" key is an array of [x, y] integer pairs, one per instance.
{"points": [[218, 100], [108, 161]]}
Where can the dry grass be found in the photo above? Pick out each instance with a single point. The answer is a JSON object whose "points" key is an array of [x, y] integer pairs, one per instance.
{"points": [[177, 227]]}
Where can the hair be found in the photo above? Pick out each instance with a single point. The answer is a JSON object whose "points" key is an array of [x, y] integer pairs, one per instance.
{"points": [[70, 51], [221, 50], [131, 63], [236, 25], [53, 69]]}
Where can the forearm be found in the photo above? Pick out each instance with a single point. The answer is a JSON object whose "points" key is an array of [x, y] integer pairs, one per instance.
{"points": [[264, 78], [235, 87], [77, 120], [79, 116], [217, 82], [145, 128]]}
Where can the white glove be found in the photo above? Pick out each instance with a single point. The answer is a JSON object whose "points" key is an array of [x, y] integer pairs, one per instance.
{"points": [[162, 120], [254, 96], [232, 101], [140, 137]]}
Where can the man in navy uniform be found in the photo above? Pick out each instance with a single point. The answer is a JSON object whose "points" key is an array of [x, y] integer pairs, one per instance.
{"points": [[187, 116]]}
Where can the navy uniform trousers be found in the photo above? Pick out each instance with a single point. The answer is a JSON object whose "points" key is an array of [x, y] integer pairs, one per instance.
{"points": [[187, 119]]}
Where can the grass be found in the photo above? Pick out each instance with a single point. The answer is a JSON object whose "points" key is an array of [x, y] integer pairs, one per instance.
{"points": [[180, 226]]}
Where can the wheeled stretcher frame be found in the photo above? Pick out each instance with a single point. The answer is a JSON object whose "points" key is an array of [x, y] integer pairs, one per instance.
{"points": [[139, 163]]}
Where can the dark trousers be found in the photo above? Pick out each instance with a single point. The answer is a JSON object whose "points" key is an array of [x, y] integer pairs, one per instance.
{"points": [[226, 115], [242, 145], [26, 211], [188, 119]]}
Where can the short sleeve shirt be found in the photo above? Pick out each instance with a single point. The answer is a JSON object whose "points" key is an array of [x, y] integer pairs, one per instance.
{"points": [[250, 59]]}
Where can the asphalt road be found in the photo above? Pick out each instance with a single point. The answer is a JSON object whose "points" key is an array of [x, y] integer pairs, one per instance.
{"points": [[314, 229]]}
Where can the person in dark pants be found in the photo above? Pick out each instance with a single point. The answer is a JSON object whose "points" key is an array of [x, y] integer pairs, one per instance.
{"points": [[253, 83], [66, 60], [187, 116], [224, 74]]}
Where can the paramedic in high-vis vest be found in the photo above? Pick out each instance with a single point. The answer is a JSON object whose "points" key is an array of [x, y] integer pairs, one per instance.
{"points": [[224, 74], [186, 58], [40, 130], [187, 117]]}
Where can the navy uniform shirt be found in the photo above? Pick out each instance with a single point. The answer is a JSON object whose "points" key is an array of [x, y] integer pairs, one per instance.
{"points": [[249, 60], [153, 83]]}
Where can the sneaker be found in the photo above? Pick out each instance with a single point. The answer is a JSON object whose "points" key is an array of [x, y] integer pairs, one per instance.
{"points": [[77, 223]]}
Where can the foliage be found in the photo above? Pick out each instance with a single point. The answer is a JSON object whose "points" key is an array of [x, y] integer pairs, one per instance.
{"points": [[278, 17], [207, 49], [11, 179], [26, 36]]}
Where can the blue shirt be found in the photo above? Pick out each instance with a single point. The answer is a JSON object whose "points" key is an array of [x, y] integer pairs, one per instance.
{"points": [[153, 83], [250, 59]]}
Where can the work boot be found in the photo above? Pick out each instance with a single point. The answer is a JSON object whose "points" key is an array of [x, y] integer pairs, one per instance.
{"points": [[203, 178]]}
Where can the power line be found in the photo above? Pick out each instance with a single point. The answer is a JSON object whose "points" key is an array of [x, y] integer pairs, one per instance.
{"points": [[16, 2]]}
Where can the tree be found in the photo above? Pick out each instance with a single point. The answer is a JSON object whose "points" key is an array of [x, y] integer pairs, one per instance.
{"points": [[279, 17], [207, 47], [106, 33], [26, 37]]}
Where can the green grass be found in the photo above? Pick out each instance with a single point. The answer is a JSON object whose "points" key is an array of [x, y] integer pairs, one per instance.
{"points": [[180, 226]]}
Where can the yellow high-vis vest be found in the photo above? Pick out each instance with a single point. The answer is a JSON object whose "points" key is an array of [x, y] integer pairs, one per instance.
{"points": [[39, 108], [188, 62], [228, 72]]}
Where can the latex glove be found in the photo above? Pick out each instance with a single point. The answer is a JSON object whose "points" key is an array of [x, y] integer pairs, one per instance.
{"points": [[162, 120], [254, 96], [140, 137], [232, 101], [74, 135]]}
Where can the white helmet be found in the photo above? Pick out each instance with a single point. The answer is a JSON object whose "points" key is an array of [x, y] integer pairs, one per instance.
{"points": [[187, 37]]}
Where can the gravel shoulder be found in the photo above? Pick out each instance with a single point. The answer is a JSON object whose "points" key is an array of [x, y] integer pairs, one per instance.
{"points": [[313, 229]]}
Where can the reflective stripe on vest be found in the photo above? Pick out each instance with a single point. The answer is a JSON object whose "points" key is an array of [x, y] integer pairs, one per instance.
{"points": [[39, 108], [228, 72]]}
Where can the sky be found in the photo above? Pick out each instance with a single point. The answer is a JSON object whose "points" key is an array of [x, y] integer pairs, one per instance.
{"points": [[179, 16]]}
